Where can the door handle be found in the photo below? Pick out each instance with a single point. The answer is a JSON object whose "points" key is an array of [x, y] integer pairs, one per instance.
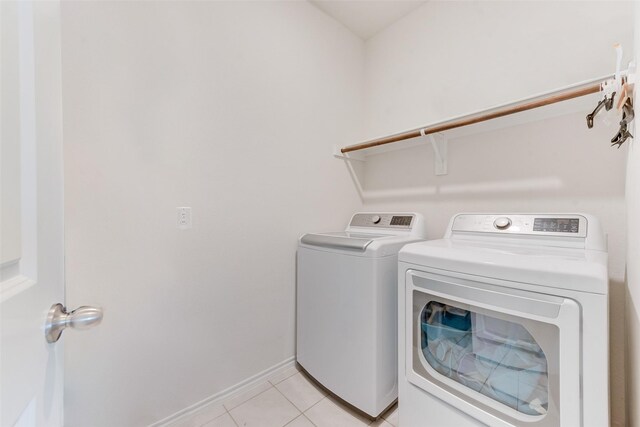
{"points": [[58, 319]]}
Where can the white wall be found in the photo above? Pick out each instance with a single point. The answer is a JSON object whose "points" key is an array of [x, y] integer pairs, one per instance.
{"points": [[633, 264], [449, 58], [231, 108]]}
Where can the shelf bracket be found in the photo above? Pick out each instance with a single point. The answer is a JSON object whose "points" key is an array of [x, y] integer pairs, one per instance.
{"points": [[439, 144], [347, 156]]}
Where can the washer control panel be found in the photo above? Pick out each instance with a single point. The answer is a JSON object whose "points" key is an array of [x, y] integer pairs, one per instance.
{"points": [[382, 220], [543, 224]]}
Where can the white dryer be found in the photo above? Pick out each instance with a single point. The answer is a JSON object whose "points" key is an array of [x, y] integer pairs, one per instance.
{"points": [[347, 307], [504, 322]]}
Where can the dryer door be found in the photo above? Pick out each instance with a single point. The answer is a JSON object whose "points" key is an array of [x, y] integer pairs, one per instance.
{"points": [[503, 355]]}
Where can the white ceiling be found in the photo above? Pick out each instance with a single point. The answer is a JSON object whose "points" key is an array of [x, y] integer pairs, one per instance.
{"points": [[366, 17]]}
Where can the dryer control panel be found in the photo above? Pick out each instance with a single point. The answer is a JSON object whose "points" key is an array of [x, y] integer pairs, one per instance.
{"points": [[543, 224], [382, 220]]}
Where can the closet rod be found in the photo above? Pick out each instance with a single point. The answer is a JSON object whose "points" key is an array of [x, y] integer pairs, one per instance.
{"points": [[576, 91]]}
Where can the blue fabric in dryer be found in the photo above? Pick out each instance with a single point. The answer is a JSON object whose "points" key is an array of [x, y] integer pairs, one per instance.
{"points": [[507, 366]]}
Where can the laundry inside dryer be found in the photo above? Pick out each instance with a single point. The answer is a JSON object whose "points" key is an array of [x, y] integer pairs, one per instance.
{"points": [[492, 356]]}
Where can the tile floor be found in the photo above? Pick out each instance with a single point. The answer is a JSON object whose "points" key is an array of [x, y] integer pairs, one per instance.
{"points": [[289, 399]]}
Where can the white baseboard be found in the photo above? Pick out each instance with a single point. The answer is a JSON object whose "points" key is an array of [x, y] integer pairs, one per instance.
{"points": [[226, 393]]}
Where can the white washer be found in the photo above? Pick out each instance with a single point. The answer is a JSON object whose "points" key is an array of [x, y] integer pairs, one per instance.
{"points": [[504, 322], [347, 307]]}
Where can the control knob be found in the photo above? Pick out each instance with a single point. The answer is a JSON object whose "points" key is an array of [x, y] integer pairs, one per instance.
{"points": [[502, 223], [376, 219]]}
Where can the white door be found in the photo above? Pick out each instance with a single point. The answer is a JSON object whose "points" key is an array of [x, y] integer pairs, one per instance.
{"points": [[31, 214], [504, 356]]}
